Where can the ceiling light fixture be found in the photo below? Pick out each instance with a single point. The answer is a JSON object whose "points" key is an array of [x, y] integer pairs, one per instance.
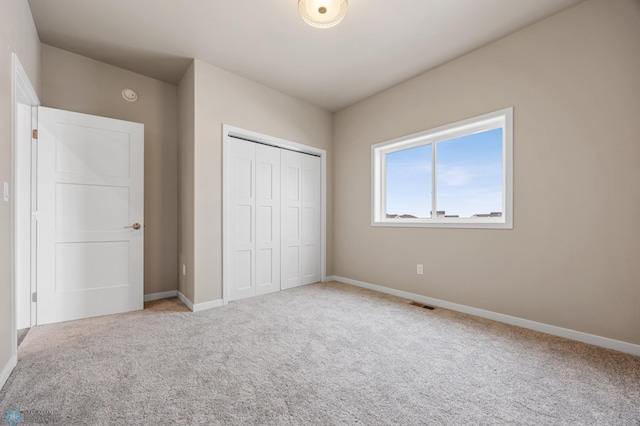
{"points": [[322, 13]]}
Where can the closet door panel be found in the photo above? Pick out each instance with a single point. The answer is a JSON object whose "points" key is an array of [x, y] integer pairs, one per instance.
{"points": [[268, 201], [242, 221], [291, 214], [310, 219]]}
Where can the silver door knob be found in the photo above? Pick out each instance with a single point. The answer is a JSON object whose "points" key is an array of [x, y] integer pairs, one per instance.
{"points": [[134, 226]]}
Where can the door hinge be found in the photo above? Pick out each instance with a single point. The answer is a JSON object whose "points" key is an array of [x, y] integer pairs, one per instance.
{"points": [[34, 297], [34, 215], [34, 133]]}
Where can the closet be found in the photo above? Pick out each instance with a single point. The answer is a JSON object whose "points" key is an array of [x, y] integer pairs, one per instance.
{"points": [[273, 218]]}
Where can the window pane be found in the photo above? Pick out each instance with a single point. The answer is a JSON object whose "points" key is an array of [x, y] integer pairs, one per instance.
{"points": [[469, 175], [408, 185]]}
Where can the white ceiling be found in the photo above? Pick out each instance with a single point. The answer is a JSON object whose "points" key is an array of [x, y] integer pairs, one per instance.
{"points": [[379, 44]]}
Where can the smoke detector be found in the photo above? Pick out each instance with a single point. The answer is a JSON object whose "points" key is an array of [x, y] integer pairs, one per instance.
{"points": [[129, 95]]}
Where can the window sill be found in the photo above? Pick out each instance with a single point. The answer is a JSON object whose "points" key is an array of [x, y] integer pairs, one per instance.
{"points": [[443, 223]]}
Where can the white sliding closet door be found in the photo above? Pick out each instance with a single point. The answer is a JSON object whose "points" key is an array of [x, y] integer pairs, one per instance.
{"points": [[291, 219], [273, 215], [300, 219], [310, 219], [242, 220], [267, 219], [255, 220]]}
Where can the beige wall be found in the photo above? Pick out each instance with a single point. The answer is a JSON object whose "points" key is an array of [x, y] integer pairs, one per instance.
{"points": [[76, 83], [221, 97], [186, 159], [572, 258], [17, 35]]}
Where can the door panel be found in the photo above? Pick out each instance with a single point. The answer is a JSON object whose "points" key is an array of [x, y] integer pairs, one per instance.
{"points": [[311, 219], [264, 224], [89, 190], [92, 151], [291, 266], [309, 262], [291, 219], [264, 269], [254, 261], [105, 264], [242, 221], [244, 227], [90, 207], [244, 277], [268, 219]]}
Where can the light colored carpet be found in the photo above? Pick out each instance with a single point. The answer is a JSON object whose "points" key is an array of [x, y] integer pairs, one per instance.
{"points": [[324, 354]]}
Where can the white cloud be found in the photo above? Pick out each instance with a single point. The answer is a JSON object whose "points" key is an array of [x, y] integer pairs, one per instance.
{"points": [[453, 175]]}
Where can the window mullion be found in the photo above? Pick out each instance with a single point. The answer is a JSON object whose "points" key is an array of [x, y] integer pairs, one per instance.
{"points": [[434, 208], [383, 187]]}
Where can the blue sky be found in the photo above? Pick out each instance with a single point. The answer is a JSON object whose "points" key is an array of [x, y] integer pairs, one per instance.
{"points": [[469, 177]]}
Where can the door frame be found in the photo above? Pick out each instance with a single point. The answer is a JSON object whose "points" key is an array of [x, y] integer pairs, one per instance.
{"points": [[228, 132], [22, 93]]}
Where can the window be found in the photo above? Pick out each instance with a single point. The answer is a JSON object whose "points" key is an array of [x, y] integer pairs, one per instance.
{"points": [[454, 176]]}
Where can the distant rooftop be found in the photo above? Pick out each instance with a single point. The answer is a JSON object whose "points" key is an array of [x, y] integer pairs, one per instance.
{"points": [[441, 213]]}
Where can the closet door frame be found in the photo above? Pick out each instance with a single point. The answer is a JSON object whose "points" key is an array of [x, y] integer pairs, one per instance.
{"points": [[229, 133]]}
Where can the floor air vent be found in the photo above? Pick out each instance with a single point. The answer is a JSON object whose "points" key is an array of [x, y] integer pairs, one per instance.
{"points": [[422, 305]]}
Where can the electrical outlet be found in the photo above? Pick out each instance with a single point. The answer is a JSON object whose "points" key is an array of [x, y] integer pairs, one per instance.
{"points": [[184, 269], [420, 269]]}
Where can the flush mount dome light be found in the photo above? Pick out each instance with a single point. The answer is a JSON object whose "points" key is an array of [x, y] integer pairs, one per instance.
{"points": [[322, 13]]}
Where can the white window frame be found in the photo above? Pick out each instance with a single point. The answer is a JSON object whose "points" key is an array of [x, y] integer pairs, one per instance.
{"points": [[497, 119]]}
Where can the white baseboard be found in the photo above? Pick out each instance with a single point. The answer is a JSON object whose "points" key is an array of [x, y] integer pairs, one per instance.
{"points": [[161, 295], [200, 306], [592, 339], [186, 301], [208, 305], [6, 371]]}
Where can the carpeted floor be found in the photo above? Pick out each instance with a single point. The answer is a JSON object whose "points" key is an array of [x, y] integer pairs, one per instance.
{"points": [[324, 354]]}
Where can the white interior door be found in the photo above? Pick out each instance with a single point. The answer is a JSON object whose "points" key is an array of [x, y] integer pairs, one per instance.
{"points": [[90, 214], [301, 215], [267, 219], [254, 224], [242, 221], [291, 219], [311, 215]]}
